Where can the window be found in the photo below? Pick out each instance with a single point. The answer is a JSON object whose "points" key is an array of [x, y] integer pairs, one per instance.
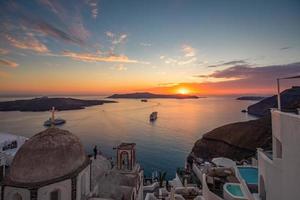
{"points": [[55, 195], [83, 185], [17, 196], [278, 148]]}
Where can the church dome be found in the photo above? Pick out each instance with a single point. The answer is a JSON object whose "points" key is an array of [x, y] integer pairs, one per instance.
{"points": [[48, 155]]}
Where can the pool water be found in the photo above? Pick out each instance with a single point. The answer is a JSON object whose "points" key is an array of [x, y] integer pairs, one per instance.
{"points": [[249, 174], [235, 190]]}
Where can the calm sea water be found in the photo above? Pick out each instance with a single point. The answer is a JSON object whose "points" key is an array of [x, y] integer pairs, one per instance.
{"points": [[162, 145]]}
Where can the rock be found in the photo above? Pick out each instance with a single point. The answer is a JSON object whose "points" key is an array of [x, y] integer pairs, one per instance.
{"points": [[236, 141], [147, 95], [45, 104], [240, 140], [250, 98], [290, 101]]}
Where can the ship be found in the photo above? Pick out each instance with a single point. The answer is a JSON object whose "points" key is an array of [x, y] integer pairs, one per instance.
{"points": [[57, 121], [153, 116], [144, 100], [52, 121]]}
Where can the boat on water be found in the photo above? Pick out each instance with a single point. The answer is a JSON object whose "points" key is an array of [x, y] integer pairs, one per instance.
{"points": [[52, 121], [144, 100], [153, 116], [57, 121]]}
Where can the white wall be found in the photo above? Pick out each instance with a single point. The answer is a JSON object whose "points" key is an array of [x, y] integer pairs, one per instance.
{"points": [[63, 186], [85, 175], [282, 175], [290, 133]]}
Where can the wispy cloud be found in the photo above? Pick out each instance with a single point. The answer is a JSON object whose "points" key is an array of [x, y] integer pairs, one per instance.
{"points": [[116, 38], [88, 57], [145, 44], [285, 48], [4, 51], [233, 62], [188, 51], [8, 63], [93, 4], [28, 42], [189, 57], [120, 67], [256, 73]]}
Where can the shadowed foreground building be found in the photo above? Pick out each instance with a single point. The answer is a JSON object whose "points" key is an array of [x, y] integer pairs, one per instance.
{"points": [[52, 165]]}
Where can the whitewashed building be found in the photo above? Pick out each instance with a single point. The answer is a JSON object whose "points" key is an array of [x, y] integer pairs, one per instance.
{"points": [[279, 173]]}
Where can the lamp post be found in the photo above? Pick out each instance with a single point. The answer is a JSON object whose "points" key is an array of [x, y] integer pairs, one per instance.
{"points": [[278, 94]]}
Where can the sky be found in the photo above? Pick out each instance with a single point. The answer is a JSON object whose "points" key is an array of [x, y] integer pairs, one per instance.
{"points": [[213, 47]]}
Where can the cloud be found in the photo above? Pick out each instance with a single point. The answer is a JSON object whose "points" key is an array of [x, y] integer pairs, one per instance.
{"points": [[4, 51], [93, 4], [256, 73], [49, 30], [285, 48], [88, 57], [145, 44], [115, 38], [239, 80], [233, 62], [28, 42], [189, 57], [50, 4], [8, 63], [188, 51], [68, 27], [120, 67], [186, 62]]}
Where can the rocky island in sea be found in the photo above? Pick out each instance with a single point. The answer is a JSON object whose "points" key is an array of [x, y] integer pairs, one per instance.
{"points": [[240, 140], [147, 95], [45, 104], [250, 98]]}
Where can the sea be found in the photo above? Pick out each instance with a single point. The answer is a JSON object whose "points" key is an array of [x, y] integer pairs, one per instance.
{"points": [[160, 146]]}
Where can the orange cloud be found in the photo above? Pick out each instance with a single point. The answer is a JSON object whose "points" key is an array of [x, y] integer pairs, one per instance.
{"points": [[29, 42], [8, 63], [88, 57], [3, 51]]}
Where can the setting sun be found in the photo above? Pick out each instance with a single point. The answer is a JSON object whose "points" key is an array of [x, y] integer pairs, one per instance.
{"points": [[183, 91]]}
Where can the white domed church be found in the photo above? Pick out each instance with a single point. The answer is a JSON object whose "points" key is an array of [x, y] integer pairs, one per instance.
{"points": [[51, 165]]}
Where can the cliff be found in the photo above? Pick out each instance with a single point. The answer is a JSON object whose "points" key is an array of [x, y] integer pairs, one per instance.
{"points": [[45, 104], [290, 100], [240, 140]]}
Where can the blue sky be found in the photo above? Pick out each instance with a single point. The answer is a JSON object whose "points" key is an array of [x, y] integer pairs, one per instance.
{"points": [[108, 46]]}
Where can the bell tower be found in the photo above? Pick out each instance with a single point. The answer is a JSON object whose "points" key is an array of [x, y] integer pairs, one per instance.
{"points": [[126, 156]]}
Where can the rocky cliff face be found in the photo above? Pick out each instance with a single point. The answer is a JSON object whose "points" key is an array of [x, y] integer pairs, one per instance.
{"points": [[240, 140], [236, 141], [290, 99]]}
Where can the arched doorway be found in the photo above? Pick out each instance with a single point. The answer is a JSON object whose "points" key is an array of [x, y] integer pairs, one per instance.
{"points": [[17, 196], [55, 195]]}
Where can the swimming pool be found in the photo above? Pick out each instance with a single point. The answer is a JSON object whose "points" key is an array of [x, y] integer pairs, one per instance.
{"points": [[249, 174], [233, 191]]}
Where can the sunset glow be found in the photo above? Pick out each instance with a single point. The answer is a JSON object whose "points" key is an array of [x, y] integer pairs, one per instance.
{"points": [[183, 91], [54, 47]]}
